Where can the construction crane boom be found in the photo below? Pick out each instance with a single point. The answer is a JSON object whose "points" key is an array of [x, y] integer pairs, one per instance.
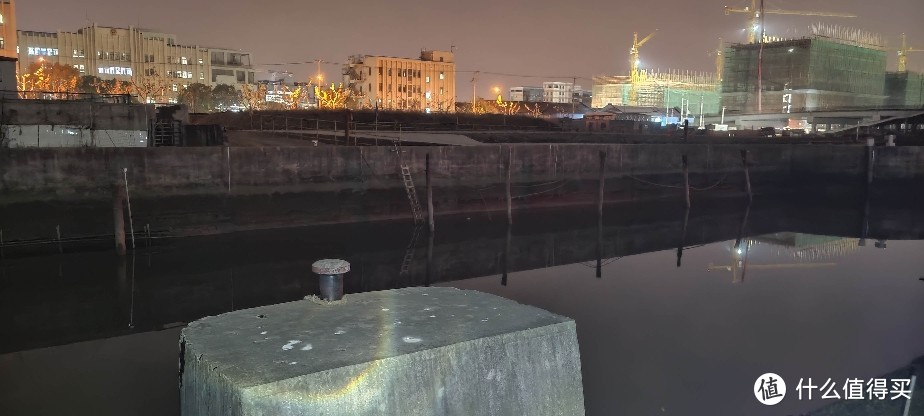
{"points": [[634, 61], [753, 22], [903, 54]]}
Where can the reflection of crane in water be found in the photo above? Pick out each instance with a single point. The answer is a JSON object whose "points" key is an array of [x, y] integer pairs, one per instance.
{"points": [[740, 259]]}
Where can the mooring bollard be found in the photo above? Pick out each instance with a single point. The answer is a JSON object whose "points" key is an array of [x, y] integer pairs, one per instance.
{"points": [[330, 273]]}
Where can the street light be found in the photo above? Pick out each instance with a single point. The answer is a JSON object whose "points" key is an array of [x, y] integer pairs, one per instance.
{"points": [[497, 92]]}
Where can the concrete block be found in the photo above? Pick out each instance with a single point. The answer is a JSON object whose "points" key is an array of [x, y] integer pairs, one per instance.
{"points": [[414, 351]]}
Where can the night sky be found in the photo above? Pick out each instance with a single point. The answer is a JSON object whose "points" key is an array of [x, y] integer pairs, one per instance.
{"points": [[538, 40]]}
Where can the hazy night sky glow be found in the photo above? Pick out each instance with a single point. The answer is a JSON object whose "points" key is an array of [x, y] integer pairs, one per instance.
{"points": [[522, 37]]}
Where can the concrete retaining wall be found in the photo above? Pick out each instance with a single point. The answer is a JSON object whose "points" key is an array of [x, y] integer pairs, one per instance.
{"points": [[45, 135], [222, 189], [97, 115], [43, 173]]}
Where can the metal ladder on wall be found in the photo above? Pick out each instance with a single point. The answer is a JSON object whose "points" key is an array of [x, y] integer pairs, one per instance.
{"points": [[409, 187], [409, 253]]}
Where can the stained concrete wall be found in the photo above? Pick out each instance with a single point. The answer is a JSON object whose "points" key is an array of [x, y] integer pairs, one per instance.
{"points": [[179, 171], [97, 115], [44, 135], [220, 189]]}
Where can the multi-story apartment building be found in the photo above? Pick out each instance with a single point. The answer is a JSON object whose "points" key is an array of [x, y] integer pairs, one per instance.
{"points": [[137, 55], [8, 29], [557, 92], [426, 84], [526, 94], [8, 49]]}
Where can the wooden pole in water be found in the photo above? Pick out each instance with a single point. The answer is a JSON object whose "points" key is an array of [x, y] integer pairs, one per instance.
{"points": [[686, 180], [429, 197], [509, 197], [747, 174], [118, 219]]}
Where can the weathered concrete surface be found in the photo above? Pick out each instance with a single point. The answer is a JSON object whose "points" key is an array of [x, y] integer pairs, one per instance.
{"points": [[416, 351], [95, 115]]}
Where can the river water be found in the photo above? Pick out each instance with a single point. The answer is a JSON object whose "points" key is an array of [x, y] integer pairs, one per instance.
{"points": [[87, 333]]}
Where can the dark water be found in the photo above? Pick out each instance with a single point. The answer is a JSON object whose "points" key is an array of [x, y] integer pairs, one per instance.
{"points": [[86, 333]]}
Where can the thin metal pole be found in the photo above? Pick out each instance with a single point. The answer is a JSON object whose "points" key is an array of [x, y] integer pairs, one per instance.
{"points": [[118, 218], [747, 174], [228, 153], [58, 231], [430, 197], [686, 180], [683, 235], [601, 183], [128, 202], [509, 197]]}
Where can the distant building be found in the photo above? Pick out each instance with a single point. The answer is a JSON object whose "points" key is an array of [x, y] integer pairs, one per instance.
{"points": [[8, 29], [694, 92], [526, 94], [830, 70], [426, 84], [137, 55], [8, 49], [905, 89], [557, 92]]}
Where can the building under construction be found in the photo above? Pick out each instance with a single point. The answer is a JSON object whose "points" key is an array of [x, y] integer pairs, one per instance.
{"points": [[693, 93], [834, 69], [905, 89]]}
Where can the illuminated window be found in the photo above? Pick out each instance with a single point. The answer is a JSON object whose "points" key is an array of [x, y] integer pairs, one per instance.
{"points": [[184, 61], [428, 78], [81, 68], [200, 61], [78, 53], [1, 19], [201, 75], [115, 70], [442, 76], [175, 88], [43, 51]]}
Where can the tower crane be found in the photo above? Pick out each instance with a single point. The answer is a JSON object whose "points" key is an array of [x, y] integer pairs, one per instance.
{"points": [[634, 61], [903, 55], [719, 60], [753, 28]]}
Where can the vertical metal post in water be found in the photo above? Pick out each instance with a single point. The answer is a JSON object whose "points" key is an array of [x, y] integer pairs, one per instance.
{"points": [[601, 182], [118, 219], [747, 174], [686, 180], [683, 235], [429, 197], [128, 202], [330, 272], [58, 232], [508, 165]]}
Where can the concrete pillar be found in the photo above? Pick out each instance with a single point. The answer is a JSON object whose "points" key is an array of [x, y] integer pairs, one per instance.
{"points": [[383, 353]]}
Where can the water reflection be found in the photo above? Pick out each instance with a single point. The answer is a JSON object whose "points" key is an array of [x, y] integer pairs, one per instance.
{"points": [[654, 330]]}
